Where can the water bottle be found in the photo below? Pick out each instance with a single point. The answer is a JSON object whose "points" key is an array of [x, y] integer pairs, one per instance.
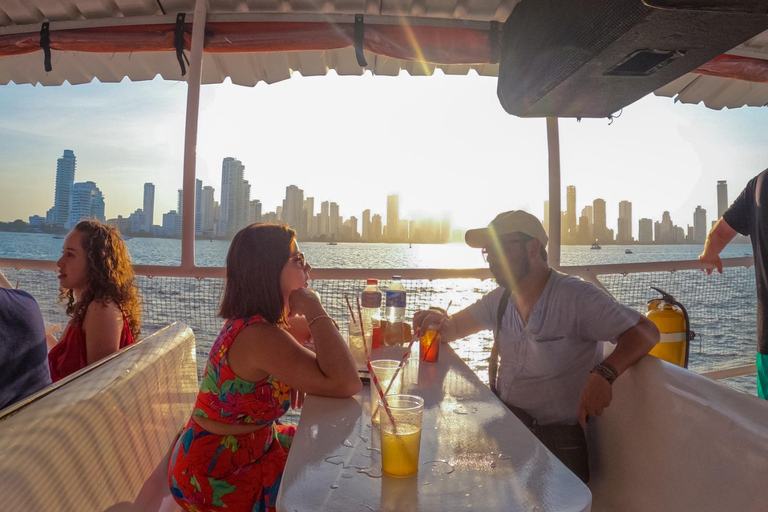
{"points": [[396, 301], [371, 301]]}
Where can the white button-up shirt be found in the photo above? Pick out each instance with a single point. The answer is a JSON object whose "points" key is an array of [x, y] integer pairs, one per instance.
{"points": [[545, 364]]}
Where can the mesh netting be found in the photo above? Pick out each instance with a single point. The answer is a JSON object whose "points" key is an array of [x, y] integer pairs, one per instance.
{"points": [[722, 310], [722, 307]]}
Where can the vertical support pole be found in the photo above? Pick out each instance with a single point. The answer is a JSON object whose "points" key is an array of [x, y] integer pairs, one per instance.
{"points": [[190, 135], [553, 147]]}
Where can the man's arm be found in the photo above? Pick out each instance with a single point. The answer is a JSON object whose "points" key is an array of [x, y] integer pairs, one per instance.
{"points": [[453, 327], [717, 239], [631, 346], [4, 282]]}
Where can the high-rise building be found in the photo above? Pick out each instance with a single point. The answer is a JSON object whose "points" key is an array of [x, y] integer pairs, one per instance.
{"points": [[137, 221], [722, 198], [625, 223], [570, 212], [376, 228], [599, 221], [546, 217], [393, 217], [645, 231], [700, 225], [180, 202], [309, 216], [586, 226], [198, 207], [334, 220], [255, 211], [235, 197], [65, 179], [293, 209], [207, 210], [149, 206], [86, 202], [667, 230], [366, 225], [323, 219]]}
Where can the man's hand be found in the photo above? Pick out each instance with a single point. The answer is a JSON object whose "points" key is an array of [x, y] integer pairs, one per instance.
{"points": [[422, 320], [711, 260], [595, 397]]}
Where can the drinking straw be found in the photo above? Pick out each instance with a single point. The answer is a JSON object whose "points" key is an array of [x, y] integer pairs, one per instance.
{"points": [[346, 298], [402, 362], [426, 353], [373, 374]]}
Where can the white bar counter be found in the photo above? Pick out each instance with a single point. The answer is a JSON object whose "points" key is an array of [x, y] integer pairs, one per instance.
{"points": [[475, 454]]}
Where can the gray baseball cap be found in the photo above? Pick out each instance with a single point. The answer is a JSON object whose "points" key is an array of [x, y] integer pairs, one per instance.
{"points": [[515, 221]]}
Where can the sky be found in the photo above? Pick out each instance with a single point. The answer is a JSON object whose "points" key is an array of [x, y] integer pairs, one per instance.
{"points": [[443, 143]]}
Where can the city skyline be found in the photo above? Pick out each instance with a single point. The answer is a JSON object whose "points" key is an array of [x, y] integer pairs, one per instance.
{"points": [[439, 142], [591, 226], [237, 210]]}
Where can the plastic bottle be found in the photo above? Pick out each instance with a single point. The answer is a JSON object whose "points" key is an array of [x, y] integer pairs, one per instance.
{"points": [[396, 301], [371, 302]]}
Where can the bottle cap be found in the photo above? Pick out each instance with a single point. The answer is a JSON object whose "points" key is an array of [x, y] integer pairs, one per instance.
{"points": [[372, 281]]}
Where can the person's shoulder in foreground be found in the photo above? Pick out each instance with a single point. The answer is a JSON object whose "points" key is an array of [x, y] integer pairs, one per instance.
{"points": [[23, 351]]}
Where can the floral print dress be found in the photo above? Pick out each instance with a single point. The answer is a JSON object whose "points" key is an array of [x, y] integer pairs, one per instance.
{"points": [[210, 472]]}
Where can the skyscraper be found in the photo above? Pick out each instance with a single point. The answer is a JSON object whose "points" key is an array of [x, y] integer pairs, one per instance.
{"points": [[87, 202], [198, 207], [700, 225], [600, 228], [722, 198], [255, 215], [570, 212], [232, 211], [366, 225], [322, 228], [309, 216], [334, 220], [207, 210], [393, 218], [376, 228], [625, 223], [293, 209], [546, 217], [149, 206], [645, 231], [65, 178]]}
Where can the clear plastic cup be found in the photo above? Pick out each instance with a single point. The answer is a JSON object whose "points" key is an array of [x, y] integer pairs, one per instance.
{"points": [[356, 345], [384, 369], [400, 442]]}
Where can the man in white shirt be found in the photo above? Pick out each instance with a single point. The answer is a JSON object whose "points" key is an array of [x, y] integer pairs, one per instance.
{"points": [[549, 330]]}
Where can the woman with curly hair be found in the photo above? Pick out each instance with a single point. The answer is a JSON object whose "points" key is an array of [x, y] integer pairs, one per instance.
{"points": [[96, 280], [231, 455]]}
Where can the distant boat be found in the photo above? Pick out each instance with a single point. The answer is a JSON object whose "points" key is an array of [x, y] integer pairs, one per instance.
{"points": [[59, 237], [595, 246], [125, 238], [332, 243], [627, 251]]}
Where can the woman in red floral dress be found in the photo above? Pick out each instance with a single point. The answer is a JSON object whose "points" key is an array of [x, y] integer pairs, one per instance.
{"points": [[232, 453]]}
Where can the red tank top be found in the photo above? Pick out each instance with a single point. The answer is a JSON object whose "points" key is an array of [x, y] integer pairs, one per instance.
{"points": [[68, 356], [227, 398]]}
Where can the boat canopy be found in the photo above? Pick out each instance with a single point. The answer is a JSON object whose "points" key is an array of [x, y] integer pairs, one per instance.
{"points": [[50, 42]]}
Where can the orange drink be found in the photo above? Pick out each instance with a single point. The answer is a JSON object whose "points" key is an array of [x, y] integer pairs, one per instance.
{"points": [[400, 442], [429, 345]]}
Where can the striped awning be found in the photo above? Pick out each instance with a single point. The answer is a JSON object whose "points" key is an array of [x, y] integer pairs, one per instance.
{"points": [[110, 40]]}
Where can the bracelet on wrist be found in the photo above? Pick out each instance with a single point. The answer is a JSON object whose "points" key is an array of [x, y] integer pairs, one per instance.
{"points": [[606, 371], [318, 317]]}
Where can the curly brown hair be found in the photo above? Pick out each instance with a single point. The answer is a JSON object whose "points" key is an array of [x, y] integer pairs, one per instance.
{"points": [[109, 275]]}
